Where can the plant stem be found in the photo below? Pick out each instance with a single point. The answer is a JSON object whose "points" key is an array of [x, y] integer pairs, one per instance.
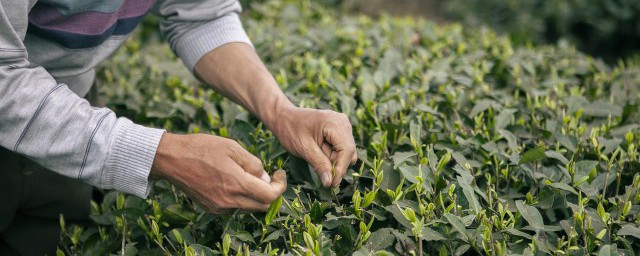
{"points": [[335, 195], [124, 234], [617, 181]]}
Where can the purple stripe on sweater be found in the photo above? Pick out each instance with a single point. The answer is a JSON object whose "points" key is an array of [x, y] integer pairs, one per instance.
{"points": [[86, 23]]}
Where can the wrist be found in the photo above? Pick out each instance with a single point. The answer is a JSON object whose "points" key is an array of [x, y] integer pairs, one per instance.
{"points": [[165, 156], [278, 112]]}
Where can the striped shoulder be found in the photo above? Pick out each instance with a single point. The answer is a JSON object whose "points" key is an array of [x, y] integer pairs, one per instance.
{"points": [[77, 24]]}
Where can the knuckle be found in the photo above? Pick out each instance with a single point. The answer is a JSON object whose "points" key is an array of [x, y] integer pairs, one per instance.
{"points": [[305, 151], [318, 165], [230, 190], [234, 148], [255, 162], [223, 203], [351, 150], [327, 114], [344, 117], [270, 197], [230, 143]]}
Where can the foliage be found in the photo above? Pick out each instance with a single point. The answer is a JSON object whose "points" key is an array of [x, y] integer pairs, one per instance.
{"points": [[610, 29], [467, 145]]}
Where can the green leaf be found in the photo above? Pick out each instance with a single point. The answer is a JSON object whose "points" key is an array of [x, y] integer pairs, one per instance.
{"points": [[398, 214], [369, 197], [602, 109], [629, 230], [383, 253], [201, 250], [563, 186], [317, 212], [456, 223], [531, 215], [532, 155], [410, 173], [381, 239], [443, 161], [504, 118], [482, 106], [409, 214], [518, 233], [180, 213], [469, 193], [274, 208], [415, 132], [584, 167], [512, 140], [556, 155], [429, 234], [273, 236], [244, 236], [608, 250], [130, 250], [401, 157]]}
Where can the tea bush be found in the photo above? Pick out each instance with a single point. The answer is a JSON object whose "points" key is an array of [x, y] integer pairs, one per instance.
{"points": [[609, 29], [467, 145]]}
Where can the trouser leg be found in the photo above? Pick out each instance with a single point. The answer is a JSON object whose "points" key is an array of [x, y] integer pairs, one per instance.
{"points": [[11, 192], [34, 227], [33, 199]]}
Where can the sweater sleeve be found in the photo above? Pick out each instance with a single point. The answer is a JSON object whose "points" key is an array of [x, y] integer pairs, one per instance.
{"points": [[51, 125], [194, 28]]}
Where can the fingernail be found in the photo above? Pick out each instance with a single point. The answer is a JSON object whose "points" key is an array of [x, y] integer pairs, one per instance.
{"points": [[265, 177], [326, 179]]}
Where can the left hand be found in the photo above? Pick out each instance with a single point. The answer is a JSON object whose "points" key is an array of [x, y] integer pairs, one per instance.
{"points": [[322, 137]]}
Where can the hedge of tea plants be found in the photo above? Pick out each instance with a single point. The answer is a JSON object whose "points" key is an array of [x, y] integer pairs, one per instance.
{"points": [[610, 29], [467, 145]]}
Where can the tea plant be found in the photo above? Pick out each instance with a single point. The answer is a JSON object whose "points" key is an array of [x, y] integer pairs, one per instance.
{"points": [[466, 144], [605, 28]]}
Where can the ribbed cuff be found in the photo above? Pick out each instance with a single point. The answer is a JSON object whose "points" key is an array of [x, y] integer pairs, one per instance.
{"points": [[129, 163], [203, 39]]}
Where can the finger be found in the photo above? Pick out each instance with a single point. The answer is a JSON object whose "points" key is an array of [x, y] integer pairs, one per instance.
{"points": [[320, 162], [354, 158], [247, 203], [347, 125], [249, 163], [263, 192], [344, 150], [216, 210], [328, 151]]}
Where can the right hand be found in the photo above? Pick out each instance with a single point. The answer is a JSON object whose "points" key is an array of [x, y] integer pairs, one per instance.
{"points": [[216, 172]]}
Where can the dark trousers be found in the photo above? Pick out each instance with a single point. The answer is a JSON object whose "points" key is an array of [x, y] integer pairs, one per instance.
{"points": [[33, 198]]}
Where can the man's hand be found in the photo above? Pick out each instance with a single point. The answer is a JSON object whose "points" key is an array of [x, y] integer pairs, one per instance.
{"points": [[322, 137], [217, 172]]}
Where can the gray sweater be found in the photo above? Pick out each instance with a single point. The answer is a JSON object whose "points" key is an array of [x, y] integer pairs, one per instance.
{"points": [[48, 51]]}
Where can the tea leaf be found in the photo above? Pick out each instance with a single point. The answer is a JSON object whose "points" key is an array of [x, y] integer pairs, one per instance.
{"points": [[274, 208], [470, 195], [456, 223], [533, 155], [629, 230], [531, 215]]}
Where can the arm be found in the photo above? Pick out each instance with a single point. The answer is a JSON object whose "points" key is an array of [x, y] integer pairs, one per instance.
{"points": [[324, 138], [52, 126], [217, 172]]}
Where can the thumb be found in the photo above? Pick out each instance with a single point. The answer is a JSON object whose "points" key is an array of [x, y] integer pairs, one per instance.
{"points": [[320, 163]]}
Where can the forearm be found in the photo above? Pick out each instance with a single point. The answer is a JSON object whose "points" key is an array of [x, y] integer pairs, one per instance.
{"points": [[236, 71]]}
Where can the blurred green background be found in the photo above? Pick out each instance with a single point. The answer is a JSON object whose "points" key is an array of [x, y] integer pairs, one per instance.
{"points": [[609, 29]]}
